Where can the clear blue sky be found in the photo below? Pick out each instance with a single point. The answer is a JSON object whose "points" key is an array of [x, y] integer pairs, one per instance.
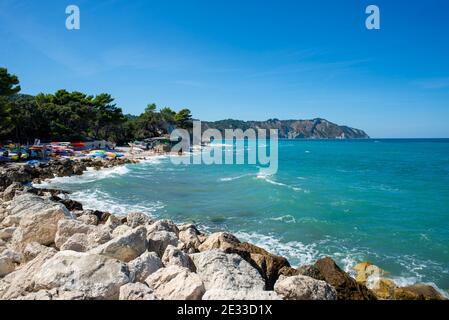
{"points": [[244, 59]]}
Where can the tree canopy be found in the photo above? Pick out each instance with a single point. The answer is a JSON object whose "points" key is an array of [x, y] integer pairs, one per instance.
{"points": [[70, 116]]}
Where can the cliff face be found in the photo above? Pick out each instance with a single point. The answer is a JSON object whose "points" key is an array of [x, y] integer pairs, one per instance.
{"points": [[293, 129]]}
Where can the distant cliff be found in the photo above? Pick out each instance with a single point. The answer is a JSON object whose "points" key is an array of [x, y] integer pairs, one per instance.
{"points": [[293, 129]]}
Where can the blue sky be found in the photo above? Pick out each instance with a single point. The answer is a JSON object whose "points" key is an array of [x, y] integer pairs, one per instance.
{"points": [[249, 60]]}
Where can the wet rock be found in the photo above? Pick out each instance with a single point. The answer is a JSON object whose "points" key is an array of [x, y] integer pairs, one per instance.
{"points": [[268, 264], [311, 271], [176, 283], [418, 292], [347, 288], [383, 288], [102, 216], [366, 270], [71, 205]]}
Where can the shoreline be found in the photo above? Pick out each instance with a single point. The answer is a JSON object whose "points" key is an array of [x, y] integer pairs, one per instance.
{"points": [[271, 268]]}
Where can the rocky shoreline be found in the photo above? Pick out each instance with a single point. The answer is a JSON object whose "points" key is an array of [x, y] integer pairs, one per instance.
{"points": [[53, 249]]}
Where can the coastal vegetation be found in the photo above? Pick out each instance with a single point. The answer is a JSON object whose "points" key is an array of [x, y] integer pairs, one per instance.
{"points": [[72, 116], [68, 116]]}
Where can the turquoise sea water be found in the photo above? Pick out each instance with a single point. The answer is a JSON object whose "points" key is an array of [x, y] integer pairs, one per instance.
{"points": [[385, 201]]}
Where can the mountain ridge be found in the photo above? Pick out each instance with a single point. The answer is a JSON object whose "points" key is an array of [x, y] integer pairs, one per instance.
{"points": [[317, 128]]}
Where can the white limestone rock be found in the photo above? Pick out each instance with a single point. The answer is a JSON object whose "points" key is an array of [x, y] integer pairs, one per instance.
{"points": [[144, 265], [219, 270], [176, 283], [304, 288]]}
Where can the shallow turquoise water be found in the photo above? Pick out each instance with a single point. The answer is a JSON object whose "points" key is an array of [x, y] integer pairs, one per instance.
{"points": [[386, 201]]}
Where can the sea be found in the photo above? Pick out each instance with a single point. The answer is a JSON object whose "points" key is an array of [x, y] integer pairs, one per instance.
{"points": [[385, 201]]}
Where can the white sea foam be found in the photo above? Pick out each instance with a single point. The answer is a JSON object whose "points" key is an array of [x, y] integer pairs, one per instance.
{"points": [[99, 200], [91, 175], [220, 145], [301, 253], [235, 177], [266, 178], [287, 219], [154, 159]]}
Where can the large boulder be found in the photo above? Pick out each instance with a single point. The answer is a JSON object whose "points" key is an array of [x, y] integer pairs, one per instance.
{"points": [[418, 292], [69, 227], [176, 283], [175, 257], [99, 235], [78, 242], [10, 191], [365, 270], [136, 291], [304, 288], [220, 270], [144, 265], [90, 219], [135, 219], [268, 264], [310, 271], [191, 237], [306, 270], [347, 288], [383, 288], [219, 240], [96, 276], [163, 225], [120, 230], [113, 222], [39, 222], [30, 204], [33, 249], [219, 294], [126, 247], [159, 240], [21, 281], [7, 265]]}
